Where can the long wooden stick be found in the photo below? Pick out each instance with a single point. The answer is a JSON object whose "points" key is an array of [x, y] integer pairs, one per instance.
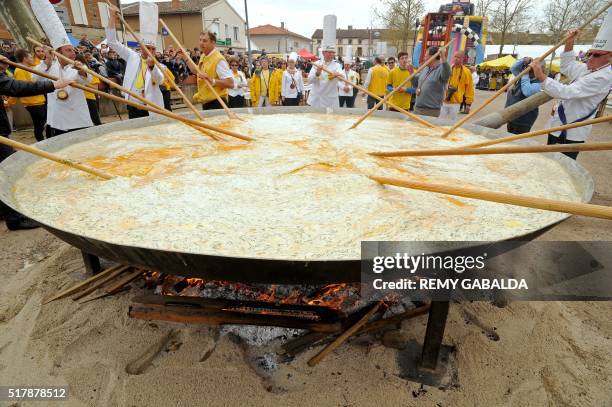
{"points": [[229, 113], [524, 72], [344, 336], [100, 283], [534, 133], [82, 284], [165, 72], [576, 208], [384, 100], [413, 116], [114, 84], [556, 148], [53, 157], [161, 112]]}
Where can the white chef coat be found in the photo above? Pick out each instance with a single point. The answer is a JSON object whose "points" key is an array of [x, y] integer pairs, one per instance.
{"points": [[350, 76], [324, 91], [153, 77], [288, 79], [586, 90], [73, 112], [240, 84], [475, 78]]}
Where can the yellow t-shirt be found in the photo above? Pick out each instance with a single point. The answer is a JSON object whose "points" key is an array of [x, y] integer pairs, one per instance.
{"points": [[94, 83], [378, 81], [37, 100], [396, 77]]}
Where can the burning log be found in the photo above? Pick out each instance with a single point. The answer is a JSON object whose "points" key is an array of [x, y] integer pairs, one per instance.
{"points": [[186, 314], [344, 336]]}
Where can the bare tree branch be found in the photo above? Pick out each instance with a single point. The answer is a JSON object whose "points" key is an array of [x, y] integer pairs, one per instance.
{"points": [[399, 16]]}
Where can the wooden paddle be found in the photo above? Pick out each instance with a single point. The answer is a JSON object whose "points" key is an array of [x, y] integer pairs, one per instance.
{"points": [[576, 208], [161, 112], [534, 133], [555, 148], [114, 84], [524, 72], [403, 84], [229, 113], [413, 116], [53, 157]]}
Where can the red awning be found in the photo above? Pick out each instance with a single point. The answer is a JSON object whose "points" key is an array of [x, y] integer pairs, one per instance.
{"points": [[304, 53]]}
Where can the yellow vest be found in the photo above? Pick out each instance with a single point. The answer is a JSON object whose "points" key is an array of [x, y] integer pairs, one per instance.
{"points": [[378, 82], [37, 100], [396, 77], [208, 64], [94, 84], [167, 77]]}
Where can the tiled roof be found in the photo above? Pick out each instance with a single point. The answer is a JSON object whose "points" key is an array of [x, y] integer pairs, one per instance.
{"points": [[269, 29], [169, 7], [362, 33]]}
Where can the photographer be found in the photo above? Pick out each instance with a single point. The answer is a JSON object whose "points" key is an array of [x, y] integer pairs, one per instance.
{"points": [[460, 84]]}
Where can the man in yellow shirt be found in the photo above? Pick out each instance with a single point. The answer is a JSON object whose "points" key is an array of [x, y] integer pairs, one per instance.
{"points": [[376, 82], [397, 76], [459, 85], [214, 69], [39, 54], [35, 105]]}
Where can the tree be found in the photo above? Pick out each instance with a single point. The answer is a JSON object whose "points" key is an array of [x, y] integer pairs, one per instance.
{"points": [[484, 7], [507, 15], [399, 17], [562, 15]]}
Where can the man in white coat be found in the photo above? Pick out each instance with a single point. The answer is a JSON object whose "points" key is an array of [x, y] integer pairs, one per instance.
{"points": [[141, 75], [590, 84], [324, 92], [66, 108], [345, 91]]}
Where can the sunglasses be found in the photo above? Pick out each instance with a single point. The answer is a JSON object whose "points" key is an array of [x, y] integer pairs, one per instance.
{"points": [[595, 55]]}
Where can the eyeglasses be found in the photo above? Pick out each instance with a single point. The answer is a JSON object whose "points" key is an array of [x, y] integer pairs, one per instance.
{"points": [[595, 55]]}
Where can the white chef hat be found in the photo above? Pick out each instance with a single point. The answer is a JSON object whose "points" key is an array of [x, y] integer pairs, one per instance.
{"points": [[50, 23], [329, 33], [293, 56], [148, 17], [348, 56], [603, 41]]}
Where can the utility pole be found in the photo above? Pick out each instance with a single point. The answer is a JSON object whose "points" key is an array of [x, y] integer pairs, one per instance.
{"points": [[19, 20], [248, 36]]}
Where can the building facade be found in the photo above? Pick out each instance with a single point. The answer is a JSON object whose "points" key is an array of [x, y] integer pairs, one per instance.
{"points": [[278, 40], [366, 42], [188, 18]]}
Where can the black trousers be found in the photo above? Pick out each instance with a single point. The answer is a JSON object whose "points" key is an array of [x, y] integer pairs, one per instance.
{"points": [[92, 105], [212, 105], [355, 93], [291, 102], [236, 101], [347, 101], [516, 128], [6, 213], [52, 132], [134, 113], [39, 119], [372, 102], [167, 99], [563, 140]]}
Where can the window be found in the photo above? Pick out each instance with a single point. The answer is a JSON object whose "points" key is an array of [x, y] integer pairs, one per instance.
{"points": [[295, 44], [359, 41], [214, 27], [236, 34], [340, 51], [78, 12], [226, 31], [359, 52]]}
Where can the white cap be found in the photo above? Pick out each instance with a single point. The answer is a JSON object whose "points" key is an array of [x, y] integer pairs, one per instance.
{"points": [[50, 23], [329, 33], [149, 20], [293, 56], [603, 41], [348, 56]]}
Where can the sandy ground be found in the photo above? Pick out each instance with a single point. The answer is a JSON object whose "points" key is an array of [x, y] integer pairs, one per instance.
{"points": [[548, 353]]}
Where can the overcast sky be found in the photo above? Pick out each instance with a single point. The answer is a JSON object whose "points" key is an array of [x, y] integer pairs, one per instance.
{"points": [[303, 17]]}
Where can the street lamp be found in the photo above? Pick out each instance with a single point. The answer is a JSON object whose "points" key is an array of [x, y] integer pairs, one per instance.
{"points": [[416, 31]]}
